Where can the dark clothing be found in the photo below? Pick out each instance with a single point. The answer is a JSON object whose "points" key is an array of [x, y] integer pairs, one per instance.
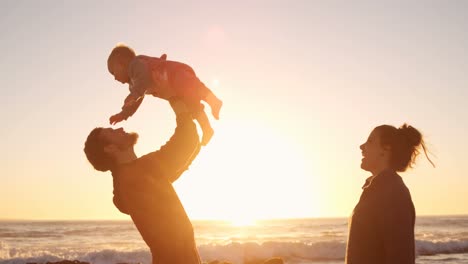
{"points": [[381, 229], [143, 189]]}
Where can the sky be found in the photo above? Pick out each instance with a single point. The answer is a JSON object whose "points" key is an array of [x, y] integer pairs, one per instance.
{"points": [[303, 84]]}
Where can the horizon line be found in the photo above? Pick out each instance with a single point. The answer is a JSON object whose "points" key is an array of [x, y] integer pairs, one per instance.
{"points": [[206, 219]]}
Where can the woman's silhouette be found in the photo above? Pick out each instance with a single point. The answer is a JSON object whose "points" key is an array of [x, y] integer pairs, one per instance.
{"points": [[381, 228]]}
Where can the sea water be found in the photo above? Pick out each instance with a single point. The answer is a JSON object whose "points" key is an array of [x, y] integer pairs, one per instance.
{"points": [[442, 239]]}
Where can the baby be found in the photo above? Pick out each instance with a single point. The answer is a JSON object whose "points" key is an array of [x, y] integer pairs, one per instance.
{"points": [[169, 80]]}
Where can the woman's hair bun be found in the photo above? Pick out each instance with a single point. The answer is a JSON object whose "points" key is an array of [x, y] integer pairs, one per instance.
{"points": [[412, 135]]}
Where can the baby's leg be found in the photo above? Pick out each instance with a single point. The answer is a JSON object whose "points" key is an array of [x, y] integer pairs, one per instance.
{"points": [[199, 114], [208, 96], [197, 109], [188, 85], [215, 104], [205, 125]]}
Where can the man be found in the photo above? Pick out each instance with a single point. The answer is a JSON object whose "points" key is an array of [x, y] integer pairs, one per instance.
{"points": [[143, 186]]}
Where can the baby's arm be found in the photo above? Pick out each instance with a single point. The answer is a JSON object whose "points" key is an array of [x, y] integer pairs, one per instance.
{"points": [[131, 104], [140, 81], [128, 109]]}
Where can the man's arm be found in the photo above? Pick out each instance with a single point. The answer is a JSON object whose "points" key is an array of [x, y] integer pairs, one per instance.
{"points": [[172, 159], [185, 167]]}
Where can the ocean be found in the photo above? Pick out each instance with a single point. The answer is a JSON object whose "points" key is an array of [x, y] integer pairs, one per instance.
{"points": [[442, 239]]}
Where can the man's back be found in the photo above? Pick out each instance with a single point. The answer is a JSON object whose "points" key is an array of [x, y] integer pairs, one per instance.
{"points": [[143, 189], [157, 212]]}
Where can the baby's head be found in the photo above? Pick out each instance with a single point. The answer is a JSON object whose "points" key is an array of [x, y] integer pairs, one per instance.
{"points": [[118, 62]]}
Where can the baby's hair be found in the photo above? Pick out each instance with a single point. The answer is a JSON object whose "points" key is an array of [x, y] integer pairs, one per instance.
{"points": [[404, 143], [122, 52]]}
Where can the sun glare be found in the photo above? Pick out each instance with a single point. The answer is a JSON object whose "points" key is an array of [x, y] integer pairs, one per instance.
{"points": [[243, 221], [215, 83], [249, 172]]}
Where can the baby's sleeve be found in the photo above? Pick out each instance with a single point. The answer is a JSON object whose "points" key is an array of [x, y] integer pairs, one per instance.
{"points": [[129, 110], [140, 78]]}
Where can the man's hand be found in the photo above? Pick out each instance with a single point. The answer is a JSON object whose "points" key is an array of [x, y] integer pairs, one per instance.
{"points": [[178, 106], [116, 118]]}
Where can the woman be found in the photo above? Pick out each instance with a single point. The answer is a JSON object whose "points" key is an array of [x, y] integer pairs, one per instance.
{"points": [[381, 228]]}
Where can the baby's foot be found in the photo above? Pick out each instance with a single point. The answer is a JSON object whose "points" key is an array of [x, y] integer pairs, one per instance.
{"points": [[215, 108], [207, 134]]}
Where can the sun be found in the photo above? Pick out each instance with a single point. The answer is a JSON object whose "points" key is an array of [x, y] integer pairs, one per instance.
{"points": [[215, 82], [248, 172], [243, 221]]}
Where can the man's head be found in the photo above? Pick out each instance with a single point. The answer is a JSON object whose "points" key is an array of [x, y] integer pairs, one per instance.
{"points": [[119, 61], [104, 145]]}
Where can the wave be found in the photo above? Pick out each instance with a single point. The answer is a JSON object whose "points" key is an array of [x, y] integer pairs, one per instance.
{"points": [[98, 257], [29, 234], [240, 252], [11, 233], [233, 252], [427, 248], [292, 252]]}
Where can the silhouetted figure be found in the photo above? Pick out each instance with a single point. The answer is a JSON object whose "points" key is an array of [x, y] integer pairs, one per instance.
{"points": [[381, 228], [168, 80], [143, 186]]}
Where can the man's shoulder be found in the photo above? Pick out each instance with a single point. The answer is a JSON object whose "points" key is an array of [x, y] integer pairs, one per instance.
{"points": [[140, 170], [147, 158], [148, 163]]}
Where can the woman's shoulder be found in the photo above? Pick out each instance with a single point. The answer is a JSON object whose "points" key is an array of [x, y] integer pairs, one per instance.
{"points": [[396, 191]]}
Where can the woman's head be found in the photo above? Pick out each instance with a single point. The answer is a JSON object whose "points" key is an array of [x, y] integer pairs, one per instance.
{"points": [[393, 148]]}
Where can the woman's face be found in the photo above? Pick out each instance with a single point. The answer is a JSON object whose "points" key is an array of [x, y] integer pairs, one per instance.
{"points": [[373, 154]]}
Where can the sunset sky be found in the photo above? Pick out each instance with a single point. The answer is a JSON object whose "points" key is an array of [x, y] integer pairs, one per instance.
{"points": [[303, 85]]}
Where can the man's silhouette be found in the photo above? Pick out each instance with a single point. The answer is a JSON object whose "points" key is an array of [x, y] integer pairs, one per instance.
{"points": [[143, 186]]}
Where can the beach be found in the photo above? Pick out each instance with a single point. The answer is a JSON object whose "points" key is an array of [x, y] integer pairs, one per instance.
{"points": [[439, 239]]}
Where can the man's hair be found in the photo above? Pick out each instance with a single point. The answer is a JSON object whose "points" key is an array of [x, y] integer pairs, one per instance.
{"points": [[94, 150], [121, 52]]}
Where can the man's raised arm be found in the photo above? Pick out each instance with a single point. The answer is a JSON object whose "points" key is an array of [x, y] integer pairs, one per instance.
{"points": [[172, 159]]}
